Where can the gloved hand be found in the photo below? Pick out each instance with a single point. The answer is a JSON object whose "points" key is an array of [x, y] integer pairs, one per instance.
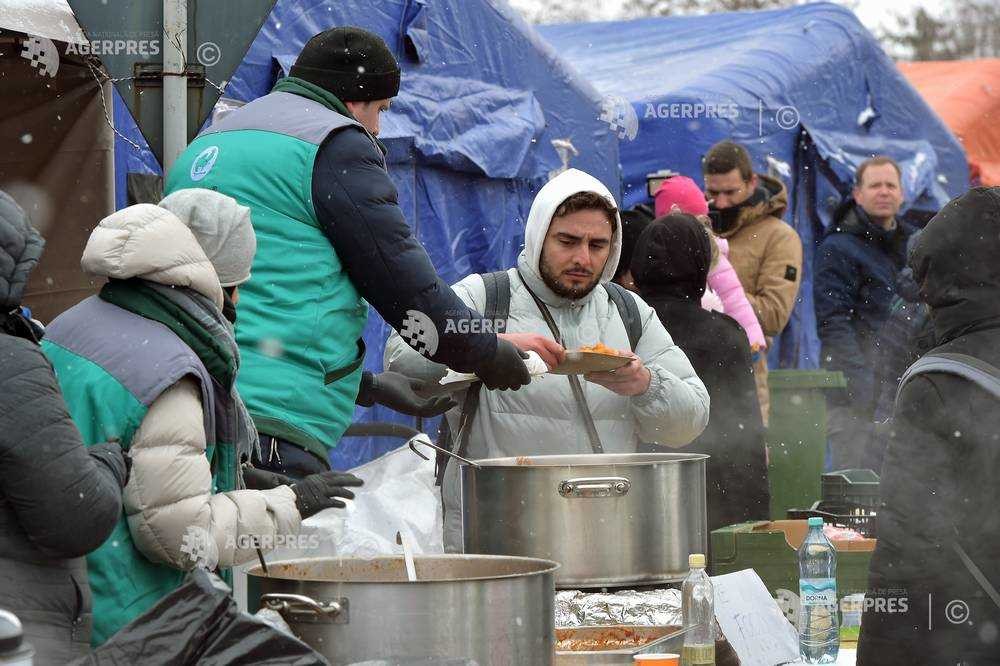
{"points": [[110, 453], [399, 392], [506, 370], [262, 479], [320, 491]]}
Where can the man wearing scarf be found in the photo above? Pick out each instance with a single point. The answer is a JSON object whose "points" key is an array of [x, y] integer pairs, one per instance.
{"points": [[746, 209], [151, 363]]}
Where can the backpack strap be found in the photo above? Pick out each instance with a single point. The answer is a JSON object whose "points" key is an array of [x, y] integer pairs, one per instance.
{"points": [[987, 377], [629, 311], [497, 307], [977, 371], [496, 311]]}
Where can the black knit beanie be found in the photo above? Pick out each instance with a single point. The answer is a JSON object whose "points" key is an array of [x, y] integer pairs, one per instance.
{"points": [[353, 64]]}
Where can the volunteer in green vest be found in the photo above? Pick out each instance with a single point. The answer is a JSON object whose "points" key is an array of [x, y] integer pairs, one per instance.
{"points": [[151, 363], [332, 239]]}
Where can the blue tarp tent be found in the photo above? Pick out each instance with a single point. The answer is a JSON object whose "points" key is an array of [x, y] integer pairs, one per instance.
{"points": [[809, 92], [469, 137]]}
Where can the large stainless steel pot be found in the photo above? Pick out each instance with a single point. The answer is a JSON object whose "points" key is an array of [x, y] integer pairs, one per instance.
{"points": [[609, 520], [483, 609]]}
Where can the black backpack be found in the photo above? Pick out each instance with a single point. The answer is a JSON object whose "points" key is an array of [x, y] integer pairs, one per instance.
{"points": [[497, 310]]}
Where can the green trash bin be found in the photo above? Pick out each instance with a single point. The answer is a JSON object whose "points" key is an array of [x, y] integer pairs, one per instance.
{"points": [[796, 438]]}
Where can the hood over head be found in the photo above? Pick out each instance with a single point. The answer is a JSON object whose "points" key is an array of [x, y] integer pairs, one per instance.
{"points": [[222, 228], [149, 242], [954, 262], [20, 249], [672, 258], [548, 199]]}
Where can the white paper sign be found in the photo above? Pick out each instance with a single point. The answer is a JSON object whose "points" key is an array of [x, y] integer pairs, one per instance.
{"points": [[752, 622]]}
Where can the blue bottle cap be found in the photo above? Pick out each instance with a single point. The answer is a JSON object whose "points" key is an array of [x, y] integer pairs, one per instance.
{"points": [[815, 521]]}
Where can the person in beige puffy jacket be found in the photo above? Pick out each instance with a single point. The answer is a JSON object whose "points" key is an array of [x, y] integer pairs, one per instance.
{"points": [[184, 258]]}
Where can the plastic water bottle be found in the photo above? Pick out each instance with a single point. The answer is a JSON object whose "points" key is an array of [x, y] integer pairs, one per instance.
{"points": [[819, 631], [699, 615]]}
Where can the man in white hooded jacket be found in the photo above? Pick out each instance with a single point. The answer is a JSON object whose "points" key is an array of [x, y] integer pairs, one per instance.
{"points": [[572, 247]]}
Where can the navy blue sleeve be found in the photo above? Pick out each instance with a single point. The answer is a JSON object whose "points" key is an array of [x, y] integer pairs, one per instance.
{"points": [[356, 204], [836, 290]]}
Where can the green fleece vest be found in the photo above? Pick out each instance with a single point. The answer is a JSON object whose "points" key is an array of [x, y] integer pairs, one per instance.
{"points": [[112, 365], [300, 317]]}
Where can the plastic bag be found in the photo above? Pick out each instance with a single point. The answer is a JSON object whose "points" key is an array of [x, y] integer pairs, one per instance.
{"points": [[198, 623], [399, 495]]}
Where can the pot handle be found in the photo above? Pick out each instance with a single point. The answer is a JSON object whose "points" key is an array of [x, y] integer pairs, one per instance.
{"points": [[605, 486], [300, 604]]}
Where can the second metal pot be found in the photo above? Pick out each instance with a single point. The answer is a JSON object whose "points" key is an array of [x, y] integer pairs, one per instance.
{"points": [[610, 520], [490, 611]]}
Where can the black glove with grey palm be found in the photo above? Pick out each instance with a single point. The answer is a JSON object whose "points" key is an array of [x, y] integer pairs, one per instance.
{"points": [[262, 479], [506, 370], [323, 491], [400, 393]]}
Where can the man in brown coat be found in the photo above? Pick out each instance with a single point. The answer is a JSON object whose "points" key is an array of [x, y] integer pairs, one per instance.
{"points": [[746, 209]]}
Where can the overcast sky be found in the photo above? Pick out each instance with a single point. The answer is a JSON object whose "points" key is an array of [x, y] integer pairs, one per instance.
{"points": [[874, 14]]}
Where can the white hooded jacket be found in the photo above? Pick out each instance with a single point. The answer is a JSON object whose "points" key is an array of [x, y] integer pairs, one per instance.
{"points": [[541, 418], [170, 487]]}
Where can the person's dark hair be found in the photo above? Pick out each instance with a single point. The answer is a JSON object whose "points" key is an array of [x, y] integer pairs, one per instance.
{"points": [[587, 201], [878, 160], [230, 290], [725, 156], [634, 222]]}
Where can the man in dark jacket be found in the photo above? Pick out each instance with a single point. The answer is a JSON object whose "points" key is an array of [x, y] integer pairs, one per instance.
{"points": [[331, 240], [853, 288], [907, 334], [939, 530], [670, 265], [58, 500]]}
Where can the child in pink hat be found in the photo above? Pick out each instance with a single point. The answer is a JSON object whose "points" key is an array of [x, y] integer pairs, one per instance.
{"points": [[684, 194]]}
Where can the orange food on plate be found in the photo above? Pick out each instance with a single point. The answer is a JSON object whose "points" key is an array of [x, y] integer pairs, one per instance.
{"points": [[601, 348]]}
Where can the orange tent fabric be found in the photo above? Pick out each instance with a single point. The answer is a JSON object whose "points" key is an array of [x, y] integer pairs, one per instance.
{"points": [[966, 94]]}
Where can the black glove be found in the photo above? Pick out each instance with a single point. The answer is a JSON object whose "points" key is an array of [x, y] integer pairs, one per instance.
{"points": [[320, 491], [262, 479], [398, 392], [111, 455], [506, 370]]}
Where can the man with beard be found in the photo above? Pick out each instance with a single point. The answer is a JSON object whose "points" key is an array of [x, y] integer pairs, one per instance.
{"points": [[746, 210], [571, 251]]}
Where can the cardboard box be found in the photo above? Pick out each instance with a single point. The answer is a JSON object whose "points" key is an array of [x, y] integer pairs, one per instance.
{"points": [[770, 548]]}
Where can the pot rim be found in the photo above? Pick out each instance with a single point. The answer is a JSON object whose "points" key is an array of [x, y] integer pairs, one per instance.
{"points": [[547, 567], [591, 460]]}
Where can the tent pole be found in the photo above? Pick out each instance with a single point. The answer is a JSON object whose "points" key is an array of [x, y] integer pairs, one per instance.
{"points": [[174, 80]]}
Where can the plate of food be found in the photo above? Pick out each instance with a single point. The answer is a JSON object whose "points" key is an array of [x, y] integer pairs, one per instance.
{"points": [[592, 358]]}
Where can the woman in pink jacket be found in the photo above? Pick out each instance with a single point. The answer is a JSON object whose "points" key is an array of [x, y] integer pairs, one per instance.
{"points": [[682, 192]]}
